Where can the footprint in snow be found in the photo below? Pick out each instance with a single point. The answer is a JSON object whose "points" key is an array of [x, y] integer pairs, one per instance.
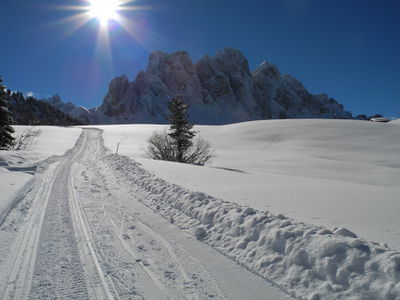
{"points": [[170, 275]]}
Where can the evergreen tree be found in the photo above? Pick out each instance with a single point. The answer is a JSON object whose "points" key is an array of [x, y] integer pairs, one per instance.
{"points": [[6, 139], [180, 130]]}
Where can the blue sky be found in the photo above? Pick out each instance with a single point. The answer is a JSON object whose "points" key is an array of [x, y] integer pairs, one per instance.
{"points": [[346, 48]]}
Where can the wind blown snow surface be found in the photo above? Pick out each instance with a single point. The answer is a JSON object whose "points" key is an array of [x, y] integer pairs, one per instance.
{"points": [[331, 173], [306, 261]]}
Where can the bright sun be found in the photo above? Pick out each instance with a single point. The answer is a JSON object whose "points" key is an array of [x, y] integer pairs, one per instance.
{"points": [[104, 10]]}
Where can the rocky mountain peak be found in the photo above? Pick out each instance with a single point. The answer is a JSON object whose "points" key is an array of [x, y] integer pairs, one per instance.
{"points": [[267, 70], [77, 112], [232, 60], [56, 99], [117, 88], [220, 89]]}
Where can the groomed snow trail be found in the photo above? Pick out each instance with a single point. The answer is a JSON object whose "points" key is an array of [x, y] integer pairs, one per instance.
{"points": [[79, 234]]}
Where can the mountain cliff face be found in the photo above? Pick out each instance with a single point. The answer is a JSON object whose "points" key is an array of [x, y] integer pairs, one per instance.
{"points": [[77, 112], [219, 89]]}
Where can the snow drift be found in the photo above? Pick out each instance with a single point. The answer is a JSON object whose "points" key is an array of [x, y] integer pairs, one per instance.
{"points": [[306, 261]]}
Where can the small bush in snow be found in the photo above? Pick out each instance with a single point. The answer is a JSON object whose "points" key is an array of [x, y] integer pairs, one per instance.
{"points": [[161, 147], [200, 233], [24, 138]]}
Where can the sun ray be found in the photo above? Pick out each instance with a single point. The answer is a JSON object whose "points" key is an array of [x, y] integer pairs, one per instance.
{"points": [[143, 35], [108, 14], [74, 22], [103, 53], [135, 8], [70, 7]]}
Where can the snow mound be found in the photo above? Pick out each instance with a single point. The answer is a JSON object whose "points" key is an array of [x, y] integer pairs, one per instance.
{"points": [[397, 121], [306, 261]]}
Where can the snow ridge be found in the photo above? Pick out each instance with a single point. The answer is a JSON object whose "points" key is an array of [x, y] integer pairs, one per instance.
{"points": [[306, 261]]}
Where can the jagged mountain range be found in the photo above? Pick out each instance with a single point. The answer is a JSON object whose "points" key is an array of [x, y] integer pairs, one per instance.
{"points": [[80, 113], [219, 90]]}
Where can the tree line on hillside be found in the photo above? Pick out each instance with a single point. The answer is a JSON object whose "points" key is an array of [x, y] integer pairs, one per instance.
{"points": [[30, 111], [16, 109], [6, 131]]}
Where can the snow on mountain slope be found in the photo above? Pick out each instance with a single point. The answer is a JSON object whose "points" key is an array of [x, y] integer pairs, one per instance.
{"points": [[78, 112], [17, 167], [325, 172], [219, 89]]}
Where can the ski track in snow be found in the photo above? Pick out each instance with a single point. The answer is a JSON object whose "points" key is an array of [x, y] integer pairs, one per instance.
{"points": [[306, 261], [71, 236]]}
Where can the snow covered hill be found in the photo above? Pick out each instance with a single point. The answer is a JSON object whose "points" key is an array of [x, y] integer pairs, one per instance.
{"points": [[325, 172]]}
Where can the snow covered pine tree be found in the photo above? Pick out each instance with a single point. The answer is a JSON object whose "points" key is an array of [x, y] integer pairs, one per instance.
{"points": [[180, 130], [6, 139]]}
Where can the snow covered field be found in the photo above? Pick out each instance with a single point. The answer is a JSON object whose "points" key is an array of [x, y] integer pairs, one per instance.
{"points": [[331, 173], [79, 232], [17, 167], [94, 225]]}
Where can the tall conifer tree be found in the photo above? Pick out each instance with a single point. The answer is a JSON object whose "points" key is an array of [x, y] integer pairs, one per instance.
{"points": [[6, 139], [180, 130]]}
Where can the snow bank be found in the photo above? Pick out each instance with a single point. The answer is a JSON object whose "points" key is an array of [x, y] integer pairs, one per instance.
{"points": [[397, 121], [308, 262]]}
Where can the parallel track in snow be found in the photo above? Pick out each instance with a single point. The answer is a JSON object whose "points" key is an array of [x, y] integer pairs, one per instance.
{"points": [[21, 262], [58, 272], [52, 241], [89, 252], [77, 242]]}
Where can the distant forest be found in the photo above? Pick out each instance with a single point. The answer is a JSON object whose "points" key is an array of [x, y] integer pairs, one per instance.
{"points": [[30, 111]]}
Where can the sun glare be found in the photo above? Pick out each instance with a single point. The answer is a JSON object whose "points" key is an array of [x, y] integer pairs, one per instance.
{"points": [[104, 10], [109, 15]]}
